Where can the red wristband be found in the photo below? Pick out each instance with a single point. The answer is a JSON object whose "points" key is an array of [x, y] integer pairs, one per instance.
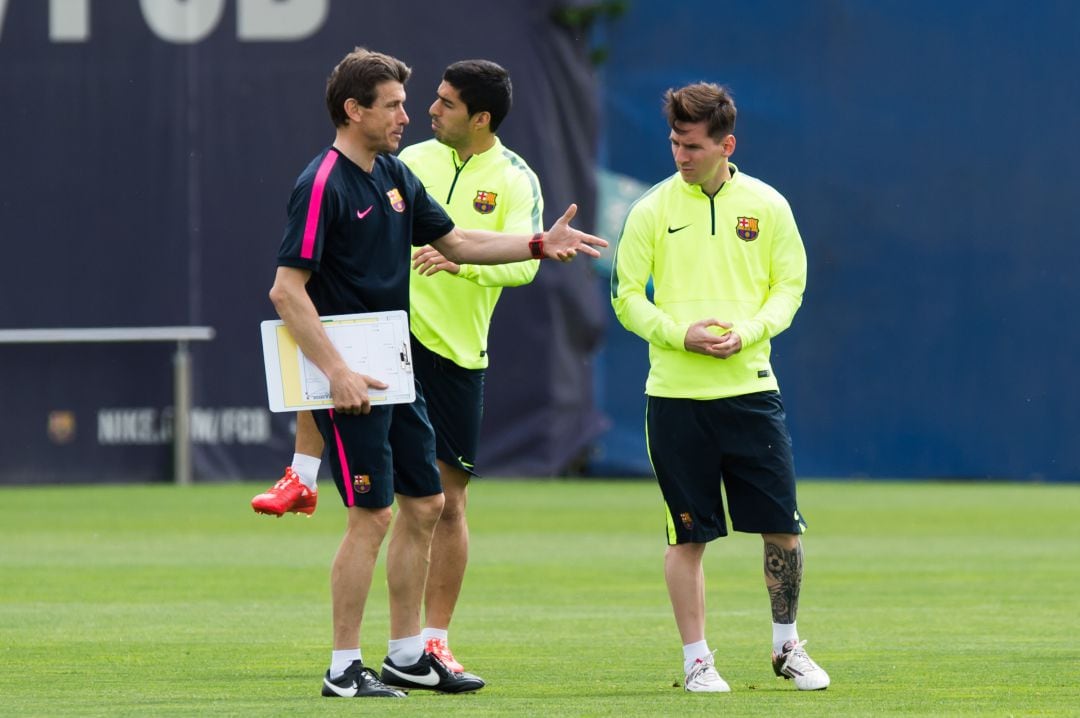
{"points": [[536, 245]]}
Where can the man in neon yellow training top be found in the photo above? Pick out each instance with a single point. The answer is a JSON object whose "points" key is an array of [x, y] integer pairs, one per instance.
{"points": [[728, 270], [483, 186]]}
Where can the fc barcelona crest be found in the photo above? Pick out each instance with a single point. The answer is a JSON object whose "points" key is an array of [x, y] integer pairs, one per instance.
{"points": [[362, 482], [61, 426], [484, 202], [687, 521], [747, 228], [397, 202]]}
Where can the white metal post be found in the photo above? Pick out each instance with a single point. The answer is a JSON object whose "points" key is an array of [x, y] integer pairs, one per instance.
{"points": [[182, 473], [182, 414]]}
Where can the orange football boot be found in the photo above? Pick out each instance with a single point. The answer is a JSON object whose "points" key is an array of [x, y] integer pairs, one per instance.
{"points": [[438, 648]]}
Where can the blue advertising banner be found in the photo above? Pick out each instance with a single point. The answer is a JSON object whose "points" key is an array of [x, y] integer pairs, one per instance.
{"points": [[930, 155]]}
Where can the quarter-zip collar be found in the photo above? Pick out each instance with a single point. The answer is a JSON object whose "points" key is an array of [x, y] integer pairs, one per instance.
{"points": [[476, 159], [725, 188]]}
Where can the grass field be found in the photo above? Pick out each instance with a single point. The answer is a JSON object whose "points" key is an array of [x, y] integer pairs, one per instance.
{"points": [[919, 599]]}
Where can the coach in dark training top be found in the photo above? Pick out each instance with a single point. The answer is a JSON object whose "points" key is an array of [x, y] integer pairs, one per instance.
{"points": [[354, 213]]}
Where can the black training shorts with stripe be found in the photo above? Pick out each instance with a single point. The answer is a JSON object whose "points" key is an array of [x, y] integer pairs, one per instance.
{"points": [[740, 443], [373, 456]]}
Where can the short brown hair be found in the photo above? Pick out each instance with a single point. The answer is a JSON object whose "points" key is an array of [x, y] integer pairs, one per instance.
{"points": [[358, 76], [702, 102]]}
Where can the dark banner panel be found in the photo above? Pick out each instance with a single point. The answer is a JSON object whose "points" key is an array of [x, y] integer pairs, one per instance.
{"points": [[148, 153]]}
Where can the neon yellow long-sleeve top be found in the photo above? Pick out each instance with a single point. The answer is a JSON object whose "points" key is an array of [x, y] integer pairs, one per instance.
{"points": [[736, 257], [493, 190]]}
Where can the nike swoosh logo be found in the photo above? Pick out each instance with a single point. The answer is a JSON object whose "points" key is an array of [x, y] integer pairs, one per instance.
{"points": [[361, 215], [348, 692], [673, 230], [431, 679]]}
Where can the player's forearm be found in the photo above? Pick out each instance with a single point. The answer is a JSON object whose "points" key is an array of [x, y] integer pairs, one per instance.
{"points": [[642, 317], [301, 319], [774, 317], [514, 274], [521, 220], [788, 282], [474, 246]]}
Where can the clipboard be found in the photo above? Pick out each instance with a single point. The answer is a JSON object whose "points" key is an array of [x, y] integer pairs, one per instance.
{"points": [[376, 344]]}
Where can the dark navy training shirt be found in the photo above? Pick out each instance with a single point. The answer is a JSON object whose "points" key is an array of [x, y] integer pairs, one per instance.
{"points": [[355, 232]]}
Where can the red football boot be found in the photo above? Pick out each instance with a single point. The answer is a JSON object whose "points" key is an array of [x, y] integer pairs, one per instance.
{"points": [[288, 494]]}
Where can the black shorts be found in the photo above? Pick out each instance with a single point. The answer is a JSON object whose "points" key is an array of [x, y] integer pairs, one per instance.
{"points": [[455, 401], [373, 456], [740, 442]]}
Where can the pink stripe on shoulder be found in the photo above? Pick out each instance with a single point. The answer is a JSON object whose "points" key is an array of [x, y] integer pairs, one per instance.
{"points": [[346, 475], [307, 249]]}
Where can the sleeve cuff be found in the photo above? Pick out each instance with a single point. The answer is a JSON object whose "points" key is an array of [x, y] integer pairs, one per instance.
{"points": [[676, 335]]}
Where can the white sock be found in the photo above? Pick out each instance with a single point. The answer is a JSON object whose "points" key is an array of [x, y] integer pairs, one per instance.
{"points": [[307, 468], [340, 660], [781, 634], [428, 633], [691, 652], [405, 651]]}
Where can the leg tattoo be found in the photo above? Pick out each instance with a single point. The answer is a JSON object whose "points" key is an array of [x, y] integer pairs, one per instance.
{"points": [[783, 578]]}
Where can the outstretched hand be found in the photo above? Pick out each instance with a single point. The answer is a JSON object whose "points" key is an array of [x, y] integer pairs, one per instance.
{"points": [[563, 242]]}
